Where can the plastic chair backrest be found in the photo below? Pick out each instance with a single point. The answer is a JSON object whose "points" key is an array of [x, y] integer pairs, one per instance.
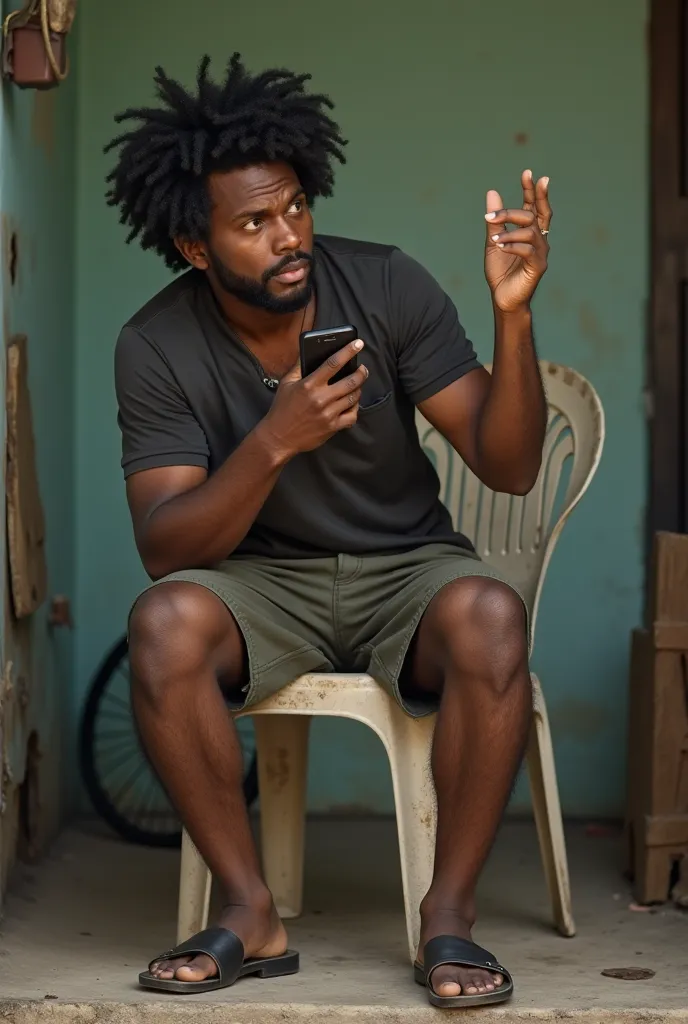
{"points": [[517, 534]]}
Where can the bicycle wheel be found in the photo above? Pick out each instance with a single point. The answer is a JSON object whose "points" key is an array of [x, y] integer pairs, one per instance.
{"points": [[119, 778]]}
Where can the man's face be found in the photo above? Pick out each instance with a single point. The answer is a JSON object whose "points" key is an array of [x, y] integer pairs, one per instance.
{"points": [[261, 238]]}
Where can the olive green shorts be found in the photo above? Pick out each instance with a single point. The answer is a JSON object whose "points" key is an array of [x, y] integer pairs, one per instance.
{"points": [[347, 613]]}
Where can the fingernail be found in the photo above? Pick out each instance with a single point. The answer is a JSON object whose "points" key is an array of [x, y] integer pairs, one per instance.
{"points": [[490, 216], [500, 245], [493, 238], [546, 181], [358, 345]]}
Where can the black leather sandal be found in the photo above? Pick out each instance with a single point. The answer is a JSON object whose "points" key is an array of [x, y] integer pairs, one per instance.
{"points": [[451, 950], [227, 950]]}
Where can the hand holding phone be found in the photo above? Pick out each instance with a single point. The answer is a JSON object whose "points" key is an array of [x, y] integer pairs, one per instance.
{"points": [[309, 410], [317, 346]]}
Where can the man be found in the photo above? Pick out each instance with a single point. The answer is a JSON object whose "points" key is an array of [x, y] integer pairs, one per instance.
{"points": [[293, 525]]}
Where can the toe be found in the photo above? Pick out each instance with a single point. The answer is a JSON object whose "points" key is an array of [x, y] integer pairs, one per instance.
{"points": [[475, 985], [199, 969], [448, 990], [485, 982], [479, 983], [165, 969], [449, 981], [445, 982]]}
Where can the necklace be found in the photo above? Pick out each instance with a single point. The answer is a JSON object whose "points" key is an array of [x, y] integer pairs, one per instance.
{"points": [[272, 382]]}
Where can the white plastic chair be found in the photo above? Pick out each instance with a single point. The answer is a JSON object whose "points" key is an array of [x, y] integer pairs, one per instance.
{"points": [[515, 534]]}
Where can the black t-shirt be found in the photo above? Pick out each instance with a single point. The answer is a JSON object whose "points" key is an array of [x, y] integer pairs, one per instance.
{"points": [[189, 391]]}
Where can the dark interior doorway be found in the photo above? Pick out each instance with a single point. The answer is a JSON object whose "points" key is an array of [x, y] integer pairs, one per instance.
{"points": [[668, 360]]}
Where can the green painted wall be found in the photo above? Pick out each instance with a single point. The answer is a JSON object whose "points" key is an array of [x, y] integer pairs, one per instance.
{"points": [[441, 101], [37, 167]]}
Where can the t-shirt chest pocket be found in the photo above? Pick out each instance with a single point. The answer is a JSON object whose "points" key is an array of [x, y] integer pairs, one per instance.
{"points": [[370, 403], [378, 388], [378, 420], [378, 426]]}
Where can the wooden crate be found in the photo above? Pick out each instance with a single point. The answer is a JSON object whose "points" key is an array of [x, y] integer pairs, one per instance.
{"points": [[657, 808], [668, 597]]}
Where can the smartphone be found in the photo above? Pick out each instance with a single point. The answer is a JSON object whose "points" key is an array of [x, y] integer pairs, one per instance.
{"points": [[317, 346]]}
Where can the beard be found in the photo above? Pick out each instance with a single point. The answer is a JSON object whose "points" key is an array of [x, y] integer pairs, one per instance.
{"points": [[255, 293]]}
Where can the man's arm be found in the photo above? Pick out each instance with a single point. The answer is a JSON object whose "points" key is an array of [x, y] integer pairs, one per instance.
{"points": [[497, 422], [183, 518]]}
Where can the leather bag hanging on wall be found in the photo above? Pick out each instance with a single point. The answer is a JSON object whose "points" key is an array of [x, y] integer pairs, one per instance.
{"points": [[34, 53]]}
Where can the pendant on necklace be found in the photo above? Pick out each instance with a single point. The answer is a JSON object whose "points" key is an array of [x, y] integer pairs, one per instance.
{"points": [[271, 382]]}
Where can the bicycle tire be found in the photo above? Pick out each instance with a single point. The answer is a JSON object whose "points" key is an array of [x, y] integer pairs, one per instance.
{"points": [[98, 794]]}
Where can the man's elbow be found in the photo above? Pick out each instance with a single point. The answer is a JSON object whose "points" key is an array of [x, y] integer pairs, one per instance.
{"points": [[516, 480], [524, 482], [156, 568], [157, 563], [161, 563], [522, 488]]}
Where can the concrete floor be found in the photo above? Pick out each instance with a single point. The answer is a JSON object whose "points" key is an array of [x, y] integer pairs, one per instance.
{"points": [[80, 926]]}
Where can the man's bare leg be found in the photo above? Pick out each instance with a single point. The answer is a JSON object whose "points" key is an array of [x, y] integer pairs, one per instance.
{"points": [[183, 643], [471, 648]]}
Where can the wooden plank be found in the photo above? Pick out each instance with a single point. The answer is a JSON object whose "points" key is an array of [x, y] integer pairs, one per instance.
{"points": [[669, 729], [667, 830], [640, 731], [657, 800], [668, 597], [670, 636], [25, 521], [675, 229]]}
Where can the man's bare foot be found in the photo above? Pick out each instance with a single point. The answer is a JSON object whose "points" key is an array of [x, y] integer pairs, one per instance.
{"points": [[260, 930], [449, 981]]}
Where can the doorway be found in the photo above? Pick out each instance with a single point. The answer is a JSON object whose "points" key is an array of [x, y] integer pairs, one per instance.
{"points": [[668, 361]]}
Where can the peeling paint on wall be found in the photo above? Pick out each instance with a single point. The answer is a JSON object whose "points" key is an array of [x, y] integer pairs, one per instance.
{"points": [[36, 295]]}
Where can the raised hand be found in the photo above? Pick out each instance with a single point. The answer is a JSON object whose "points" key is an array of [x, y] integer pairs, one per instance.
{"points": [[516, 260]]}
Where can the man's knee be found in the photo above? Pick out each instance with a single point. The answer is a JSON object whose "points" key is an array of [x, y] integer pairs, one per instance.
{"points": [[481, 624], [174, 629]]}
